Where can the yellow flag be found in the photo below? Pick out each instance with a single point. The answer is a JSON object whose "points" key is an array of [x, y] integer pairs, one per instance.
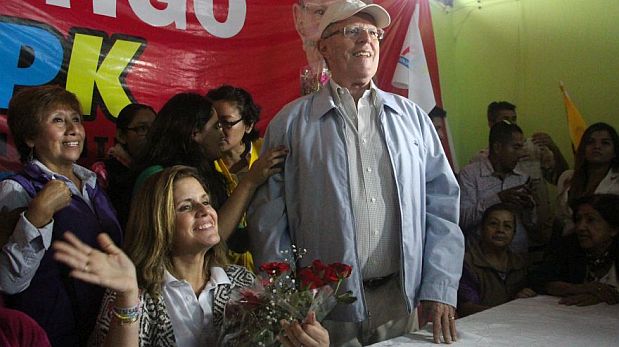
{"points": [[575, 123]]}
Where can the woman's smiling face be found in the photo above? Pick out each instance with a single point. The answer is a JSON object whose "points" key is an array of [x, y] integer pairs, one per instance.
{"points": [[60, 139], [195, 219]]}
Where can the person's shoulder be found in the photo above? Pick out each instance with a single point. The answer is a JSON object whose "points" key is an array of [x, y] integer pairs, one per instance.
{"points": [[292, 108], [399, 103], [10, 183], [472, 168], [564, 180], [12, 191]]}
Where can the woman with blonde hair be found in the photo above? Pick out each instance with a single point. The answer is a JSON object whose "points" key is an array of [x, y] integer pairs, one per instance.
{"points": [[171, 286]]}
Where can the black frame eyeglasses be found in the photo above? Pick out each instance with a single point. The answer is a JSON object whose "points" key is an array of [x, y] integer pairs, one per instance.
{"points": [[222, 124]]}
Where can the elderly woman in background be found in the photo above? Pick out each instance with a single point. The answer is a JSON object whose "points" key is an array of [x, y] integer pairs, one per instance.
{"points": [[584, 268], [596, 171], [114, 173], [186, 132], [56, 195], [492, 275], [171, 287]]}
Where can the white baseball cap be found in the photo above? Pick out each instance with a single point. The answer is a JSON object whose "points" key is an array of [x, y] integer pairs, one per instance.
{"points": [[344, 9]]}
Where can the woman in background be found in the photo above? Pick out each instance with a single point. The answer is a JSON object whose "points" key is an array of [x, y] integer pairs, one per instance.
{"points": [[186, 132], [492, 275], [240, 147], [583, 268], [114, 174], [596, 171]]}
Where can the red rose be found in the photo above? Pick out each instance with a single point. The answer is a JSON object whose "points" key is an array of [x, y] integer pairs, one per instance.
{"points": [[342, 270], [266, 282], [309, 279], [250, 298], [318, 266], [275, 268], [330, 275]]}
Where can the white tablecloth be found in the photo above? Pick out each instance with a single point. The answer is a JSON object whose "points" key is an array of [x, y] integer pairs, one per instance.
{"points": [[538, 321]]}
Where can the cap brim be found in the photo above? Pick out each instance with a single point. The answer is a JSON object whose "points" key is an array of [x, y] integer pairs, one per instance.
{"points": [[381, 17]]}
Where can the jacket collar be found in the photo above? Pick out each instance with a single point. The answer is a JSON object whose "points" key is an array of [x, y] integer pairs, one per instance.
{"points": [[322, 102]]}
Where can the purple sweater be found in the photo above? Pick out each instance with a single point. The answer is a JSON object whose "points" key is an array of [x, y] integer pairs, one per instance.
{"points": [[66, 308]]}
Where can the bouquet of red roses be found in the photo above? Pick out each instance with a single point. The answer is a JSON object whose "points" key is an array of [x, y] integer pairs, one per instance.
{"points": [[252, 315]]}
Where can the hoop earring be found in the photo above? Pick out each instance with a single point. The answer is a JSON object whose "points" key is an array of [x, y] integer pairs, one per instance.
{"points": [[31, 154]]}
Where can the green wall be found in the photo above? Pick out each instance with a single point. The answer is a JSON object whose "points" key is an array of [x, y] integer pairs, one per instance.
{"points": [[519, 50]]}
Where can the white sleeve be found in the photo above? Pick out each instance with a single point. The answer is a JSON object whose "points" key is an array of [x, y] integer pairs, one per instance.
{"points": [[21, 255]]}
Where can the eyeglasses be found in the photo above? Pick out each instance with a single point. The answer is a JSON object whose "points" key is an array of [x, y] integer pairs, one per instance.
{"points": [[353, 31], [140, 129], [222, 124]]}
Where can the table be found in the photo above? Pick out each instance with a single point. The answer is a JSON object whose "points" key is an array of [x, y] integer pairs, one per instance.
{"points": [[537, 321]]}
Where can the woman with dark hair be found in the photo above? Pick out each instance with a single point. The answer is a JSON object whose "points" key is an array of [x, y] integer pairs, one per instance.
{"points": [[114, 173], [55, 195], [170, 285], [186, 132], [596, 170], [240, 144], [492, 274], [584, 268]]}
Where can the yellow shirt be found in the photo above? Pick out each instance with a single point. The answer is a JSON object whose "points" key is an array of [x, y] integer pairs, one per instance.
{"points": [[232, 180]]}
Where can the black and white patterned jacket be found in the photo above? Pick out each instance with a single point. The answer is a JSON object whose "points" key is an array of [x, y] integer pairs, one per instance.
{"points": [[155, 325]]}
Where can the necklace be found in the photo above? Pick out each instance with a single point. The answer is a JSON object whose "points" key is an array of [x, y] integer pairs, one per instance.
{"points": [[597, 266]]}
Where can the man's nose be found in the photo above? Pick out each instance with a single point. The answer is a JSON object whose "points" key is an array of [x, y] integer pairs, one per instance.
{"points": [[364, 35]]}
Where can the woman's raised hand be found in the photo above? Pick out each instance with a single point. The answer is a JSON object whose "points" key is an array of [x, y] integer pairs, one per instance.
{"points": [[268, 164], [111, 268]]}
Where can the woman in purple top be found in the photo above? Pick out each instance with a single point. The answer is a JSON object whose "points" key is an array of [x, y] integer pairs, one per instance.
{"points": [[492, 274], [49, 196]]}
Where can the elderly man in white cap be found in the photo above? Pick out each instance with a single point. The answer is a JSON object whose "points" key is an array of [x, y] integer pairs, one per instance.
{"points": [[366, 182]]}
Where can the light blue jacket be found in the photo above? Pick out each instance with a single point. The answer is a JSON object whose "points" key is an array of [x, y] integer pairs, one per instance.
{"points": [[309, 205]]}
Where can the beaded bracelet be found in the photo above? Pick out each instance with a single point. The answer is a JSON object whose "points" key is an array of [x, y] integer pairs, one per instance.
{"points": [[127, 315]]}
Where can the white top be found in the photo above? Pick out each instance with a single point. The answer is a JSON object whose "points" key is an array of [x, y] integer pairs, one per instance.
{"points": [[191, 316], [611, 277], [609, 185]]}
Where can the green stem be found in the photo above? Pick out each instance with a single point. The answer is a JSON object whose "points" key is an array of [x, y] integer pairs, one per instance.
{"points": [[337, 287]]}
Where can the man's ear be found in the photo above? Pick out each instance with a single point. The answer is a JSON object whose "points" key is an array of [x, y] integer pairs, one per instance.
{"points": [[297, 13], [496, 147], [322, 47]]}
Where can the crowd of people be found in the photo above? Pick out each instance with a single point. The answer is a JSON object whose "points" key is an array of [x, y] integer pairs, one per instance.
{"points": [[144, 248]]}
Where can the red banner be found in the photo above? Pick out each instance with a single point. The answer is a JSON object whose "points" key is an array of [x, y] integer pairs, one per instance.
{"points": [[114, 52]]}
